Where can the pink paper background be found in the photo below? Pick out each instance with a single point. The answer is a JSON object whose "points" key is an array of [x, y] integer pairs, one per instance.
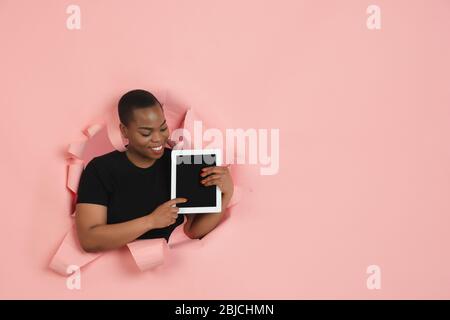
{"points": [[364, 119]]}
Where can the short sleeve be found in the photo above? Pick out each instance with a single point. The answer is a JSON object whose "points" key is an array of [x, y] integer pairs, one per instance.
{"points": [[91, 188]]}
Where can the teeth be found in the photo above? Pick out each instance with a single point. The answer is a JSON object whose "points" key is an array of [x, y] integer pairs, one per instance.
{"points": [[157, 148]]}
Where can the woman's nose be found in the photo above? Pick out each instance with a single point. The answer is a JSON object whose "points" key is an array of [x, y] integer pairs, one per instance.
{"points": [[156, 137]]}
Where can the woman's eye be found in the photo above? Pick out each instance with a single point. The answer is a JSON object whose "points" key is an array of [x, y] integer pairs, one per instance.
{"points": [[147, 135]]}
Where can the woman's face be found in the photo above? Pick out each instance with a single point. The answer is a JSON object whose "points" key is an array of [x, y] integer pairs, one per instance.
{"points": [[147, 132]]}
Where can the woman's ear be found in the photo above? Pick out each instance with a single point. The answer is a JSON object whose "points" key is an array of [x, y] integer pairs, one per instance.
{"points": [[124, 131]]}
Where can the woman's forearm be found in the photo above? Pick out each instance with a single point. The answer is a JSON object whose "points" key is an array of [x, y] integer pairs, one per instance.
{"points": [[204, 223], [113, 236]]}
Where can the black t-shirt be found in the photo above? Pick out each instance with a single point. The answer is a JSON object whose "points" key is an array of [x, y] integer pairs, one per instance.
{"points": [[127, 190]]}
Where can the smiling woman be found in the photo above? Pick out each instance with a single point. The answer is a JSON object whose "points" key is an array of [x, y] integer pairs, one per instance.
{"points": [[144, 125], [123, 196]]}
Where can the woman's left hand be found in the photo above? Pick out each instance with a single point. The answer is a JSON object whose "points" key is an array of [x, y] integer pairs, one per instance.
{"points": [[219, 176]]}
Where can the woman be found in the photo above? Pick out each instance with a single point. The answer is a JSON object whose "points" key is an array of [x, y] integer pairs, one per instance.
{"points": [[123, 196]]}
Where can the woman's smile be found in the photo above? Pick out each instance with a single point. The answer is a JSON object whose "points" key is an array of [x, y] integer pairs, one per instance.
{"points": [[157, 150]]}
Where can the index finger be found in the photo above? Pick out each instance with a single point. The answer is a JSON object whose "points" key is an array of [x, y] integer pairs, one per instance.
{"points": [[176, 200]]}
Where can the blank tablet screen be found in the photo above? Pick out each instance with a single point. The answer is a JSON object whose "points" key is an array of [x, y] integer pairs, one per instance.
{"points": [[188, 181]]}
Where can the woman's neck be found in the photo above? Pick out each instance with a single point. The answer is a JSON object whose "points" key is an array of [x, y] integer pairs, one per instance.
{"points": [[138, 160]]}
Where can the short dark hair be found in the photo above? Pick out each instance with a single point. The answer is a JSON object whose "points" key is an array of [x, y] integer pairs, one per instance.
{"points": [[135, 99]]}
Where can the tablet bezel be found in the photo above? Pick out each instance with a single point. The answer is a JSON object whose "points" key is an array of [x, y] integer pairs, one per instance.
{"points": [[173, 185]]}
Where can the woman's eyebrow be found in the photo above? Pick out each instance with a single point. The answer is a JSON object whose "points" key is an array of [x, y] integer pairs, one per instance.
{"points": [[150, 128]]}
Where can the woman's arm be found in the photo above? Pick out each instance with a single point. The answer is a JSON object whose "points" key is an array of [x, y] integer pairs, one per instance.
{"points": [[199, 225], [96, 235]]}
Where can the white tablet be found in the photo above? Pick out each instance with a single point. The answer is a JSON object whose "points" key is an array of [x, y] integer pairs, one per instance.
{"points": [[185, 180]]}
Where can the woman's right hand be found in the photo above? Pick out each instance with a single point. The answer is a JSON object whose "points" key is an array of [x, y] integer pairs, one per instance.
{"points": [[165, 215]]}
